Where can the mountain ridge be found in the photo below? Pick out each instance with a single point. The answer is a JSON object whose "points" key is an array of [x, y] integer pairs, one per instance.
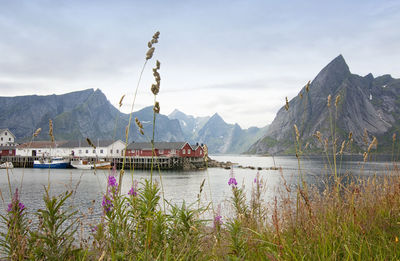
{"points": [[365, 103]]}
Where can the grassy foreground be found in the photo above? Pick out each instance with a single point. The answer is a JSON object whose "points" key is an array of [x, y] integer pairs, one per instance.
{"points": [[362, 221]]}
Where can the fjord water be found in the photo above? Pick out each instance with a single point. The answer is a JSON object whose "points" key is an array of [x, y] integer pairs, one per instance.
{"points": [[89, 185]]}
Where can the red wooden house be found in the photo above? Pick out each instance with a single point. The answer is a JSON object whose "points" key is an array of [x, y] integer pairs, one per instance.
{"points": [[7, 151], [164, 149]]}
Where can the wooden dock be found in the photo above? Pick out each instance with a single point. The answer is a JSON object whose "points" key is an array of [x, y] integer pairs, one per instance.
{"points": [[164, 163]]}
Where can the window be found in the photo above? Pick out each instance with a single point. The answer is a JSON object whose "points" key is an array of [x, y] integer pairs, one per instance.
{"points": [[183, 151], [201, 152], [189, 151], [111, 151], [161, 151], [5, 133], [9, 139], [94, 151], [101, 151], [87, 151], [117, 151]]}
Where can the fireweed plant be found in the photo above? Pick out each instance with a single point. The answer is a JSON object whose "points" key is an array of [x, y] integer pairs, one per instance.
{"points": [[344, 221]]}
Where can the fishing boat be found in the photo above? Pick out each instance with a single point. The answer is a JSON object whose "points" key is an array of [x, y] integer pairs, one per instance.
{"points": [[85, 164], [6, 165], [51, 163]]}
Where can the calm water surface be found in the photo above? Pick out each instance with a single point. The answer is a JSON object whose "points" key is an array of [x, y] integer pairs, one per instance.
{"points": [[178, 185]]}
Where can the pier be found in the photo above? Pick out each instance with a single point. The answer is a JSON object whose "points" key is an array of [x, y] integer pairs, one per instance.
{"points": [[145, 163]]}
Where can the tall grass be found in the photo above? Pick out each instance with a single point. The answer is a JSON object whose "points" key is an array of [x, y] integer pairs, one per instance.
{"points": [[343, 221]]}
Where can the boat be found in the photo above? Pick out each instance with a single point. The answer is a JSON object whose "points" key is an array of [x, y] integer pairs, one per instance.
{"points": [[6, 165], [85, 164], [51, 163]]}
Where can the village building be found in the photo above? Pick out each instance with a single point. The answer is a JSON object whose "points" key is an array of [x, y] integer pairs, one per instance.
{"points": [[165, 149], [104, 149], [6, 138]]}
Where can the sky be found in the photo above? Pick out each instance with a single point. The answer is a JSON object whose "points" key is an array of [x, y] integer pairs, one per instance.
{"points": [[238, 58]]}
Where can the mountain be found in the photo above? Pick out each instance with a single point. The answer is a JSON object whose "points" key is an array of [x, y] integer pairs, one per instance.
{"points": [[365, 103], [219, 136], [190, 125], [78, 115]]}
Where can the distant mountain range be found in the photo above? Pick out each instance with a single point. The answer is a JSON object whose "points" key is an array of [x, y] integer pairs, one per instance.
{"points": [[88, 113], [365, 103], [219, 136]]}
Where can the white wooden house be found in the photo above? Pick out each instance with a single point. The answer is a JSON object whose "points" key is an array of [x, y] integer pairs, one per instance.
{"points": [[104, 149], [6, 138]]}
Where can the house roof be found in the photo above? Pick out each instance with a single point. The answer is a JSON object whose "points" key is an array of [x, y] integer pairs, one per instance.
{"points": [[3, 130], [84, 144], [41, 144], [157, 145]]}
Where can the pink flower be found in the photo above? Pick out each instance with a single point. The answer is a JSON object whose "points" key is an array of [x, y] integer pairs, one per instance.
{"points": [[233, 182]]}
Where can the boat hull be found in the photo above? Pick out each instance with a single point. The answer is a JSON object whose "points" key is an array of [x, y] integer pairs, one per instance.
{"points": [[62, 165]]}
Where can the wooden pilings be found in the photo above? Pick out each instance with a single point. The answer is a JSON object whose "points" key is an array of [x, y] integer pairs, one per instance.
{"points": [[164, 163]]}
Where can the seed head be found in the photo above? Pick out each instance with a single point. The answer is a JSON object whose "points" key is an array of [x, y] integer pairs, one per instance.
{"points": [[37, 132], [155, 89], [318, 135], [297, 132], [138, 123], [350, 135], [365, 137], [51, 130], [90, 143], [120, 101], [337, 100], [394, 137], [156, 107], [342, 148], [287, 104], [374, 143], [365, 156], [150, 53], [308, 86], [150, 44], [158, 64], [329, 101]]}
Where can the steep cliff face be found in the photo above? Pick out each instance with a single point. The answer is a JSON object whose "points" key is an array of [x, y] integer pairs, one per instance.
{"points": [[79, 115], [365, 103]]}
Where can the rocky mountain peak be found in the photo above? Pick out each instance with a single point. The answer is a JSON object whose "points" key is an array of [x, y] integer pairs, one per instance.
{"points": [[332, 75]]}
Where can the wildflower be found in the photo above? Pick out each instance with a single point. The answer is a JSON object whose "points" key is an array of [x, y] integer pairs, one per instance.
{"points": [[15, 204], [217, 217], [108, 198], [112, 182], [93, 229], [133, 190], [233, 182], [217, 220]]}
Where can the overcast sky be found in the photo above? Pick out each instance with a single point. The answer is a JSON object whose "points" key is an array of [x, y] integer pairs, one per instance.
{"points": [[237, 58]]}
